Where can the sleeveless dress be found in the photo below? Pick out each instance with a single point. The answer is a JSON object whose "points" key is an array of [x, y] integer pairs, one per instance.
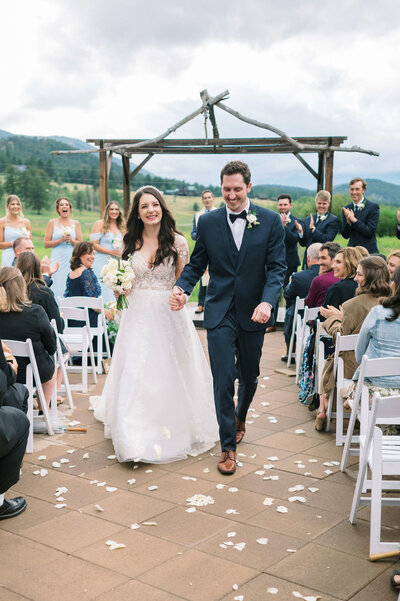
{"points": [[100, 259], [10, 234], [157, 402], [61, 253]]}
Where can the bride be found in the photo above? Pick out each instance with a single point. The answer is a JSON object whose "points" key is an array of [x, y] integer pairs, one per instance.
{"points": [[157, 402]]}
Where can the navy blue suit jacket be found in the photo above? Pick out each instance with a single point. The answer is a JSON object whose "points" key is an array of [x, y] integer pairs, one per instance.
{"points": [[299, 284], [398, 232], [291, 240], [248, 277], [363, 232], [325, 231]]}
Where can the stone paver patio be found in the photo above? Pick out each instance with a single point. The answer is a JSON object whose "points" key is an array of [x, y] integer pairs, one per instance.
{"points": [[52, 554]]}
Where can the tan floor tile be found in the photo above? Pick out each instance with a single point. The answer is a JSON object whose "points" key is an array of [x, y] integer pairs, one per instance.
{"points": [[257, 590], [141, 553], [329, 450], [254, 432], [19, 555], [72, 531], [313, 469], [198, 576], [283, 422], [254, 555], [67, 579], [245, 502], [37, 512], [296, 410], [274, 488], [270, 408], [77, 464], [118, 475], [335, 573], [379, 589], [7, 595], [174, 488], [181, 527], [127, 508], [196, 470], [309, 427], [82, 441], [45, 446], [300, 520], [261, 451], [288, 442], [331, 496], [390, 515], [135, 591], [41, 487], [105, 447]]}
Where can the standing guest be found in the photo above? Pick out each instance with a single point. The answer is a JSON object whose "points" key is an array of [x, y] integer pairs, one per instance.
{"points": [[19, 320], [291, 225], [62, 235], [321, 227], [326, 277], [393, 261], [208, 201], [14, 431], [360, 218], [21, 245], [243, 244], [106, 235], [299, 285], [82, 281], [12, 226], [372, 279]]}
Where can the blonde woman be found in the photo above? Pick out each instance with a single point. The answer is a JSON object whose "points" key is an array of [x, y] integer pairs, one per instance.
{"points": [[12, 226], [106, 235]]}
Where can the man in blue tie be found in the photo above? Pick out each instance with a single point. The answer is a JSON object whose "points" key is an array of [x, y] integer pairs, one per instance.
{"points": [[360, 218], [243, 245], [208, 201]]}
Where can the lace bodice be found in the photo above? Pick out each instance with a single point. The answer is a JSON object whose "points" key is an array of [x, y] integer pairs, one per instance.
{"points": [[164, 276]]}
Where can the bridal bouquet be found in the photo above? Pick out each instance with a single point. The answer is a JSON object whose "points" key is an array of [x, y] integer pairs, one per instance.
{"points": [[118, 243], [25, 233], [118, 275], [66, 231]]}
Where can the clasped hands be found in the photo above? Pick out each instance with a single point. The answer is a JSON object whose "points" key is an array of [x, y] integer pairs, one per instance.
{"points": [[349, 214], [178, 298], [330, 310]]}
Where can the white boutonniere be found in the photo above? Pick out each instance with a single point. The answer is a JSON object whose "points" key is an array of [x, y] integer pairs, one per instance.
{"points": [[323, 217], [361, 206], [252, 219]]}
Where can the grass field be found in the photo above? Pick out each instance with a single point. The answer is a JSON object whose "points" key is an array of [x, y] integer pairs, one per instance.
{"points": [[182, 209]]}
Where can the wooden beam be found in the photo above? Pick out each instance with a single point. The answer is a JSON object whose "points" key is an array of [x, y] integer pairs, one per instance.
{"points": [[329, 171], [103, 180], [126, 184], [141, 165], [320, 185], [306, 165], [109, 163]]}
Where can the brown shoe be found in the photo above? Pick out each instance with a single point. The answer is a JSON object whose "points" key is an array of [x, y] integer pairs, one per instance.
{"points": [[199, 309], [270, 329], [240, 430], [227, 463]]}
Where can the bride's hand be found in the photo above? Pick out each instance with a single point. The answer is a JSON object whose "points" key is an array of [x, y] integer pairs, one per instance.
{"points": [[177, 299], [116, 293]]}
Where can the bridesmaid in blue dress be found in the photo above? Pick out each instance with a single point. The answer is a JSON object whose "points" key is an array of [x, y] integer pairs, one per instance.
{"points": [[12, 226], [106, 235], [62, 234]]}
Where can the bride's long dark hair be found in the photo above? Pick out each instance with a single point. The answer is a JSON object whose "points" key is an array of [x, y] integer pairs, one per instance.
{"points": [[133, 239]]}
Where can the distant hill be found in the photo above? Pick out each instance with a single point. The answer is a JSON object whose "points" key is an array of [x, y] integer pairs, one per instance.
{"points": [[377, 190], [272, 191]]}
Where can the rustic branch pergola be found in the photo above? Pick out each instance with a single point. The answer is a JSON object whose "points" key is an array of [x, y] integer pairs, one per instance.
{"points": [[323, 146]]}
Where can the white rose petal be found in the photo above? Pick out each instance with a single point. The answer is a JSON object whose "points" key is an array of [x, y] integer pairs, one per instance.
{"points": [[232, 512], [190, 509], [85, 456], [282, 509], [42, 458], [272, 590], [268, 501], [231, 534], [149, 523], [299, 431], [262, 541], [296, 488], [134, 526], [64, 460], [233, 489], [132, 481], [56, 464], [111, 488], [98, 508], [111, 457], [60, 505], [313, 489]]}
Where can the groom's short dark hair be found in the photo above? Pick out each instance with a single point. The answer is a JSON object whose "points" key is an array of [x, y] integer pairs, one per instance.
{"points": [[237, 167]]}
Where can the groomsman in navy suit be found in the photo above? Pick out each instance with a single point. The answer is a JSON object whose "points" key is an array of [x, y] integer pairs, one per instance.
{"points": [[360, 218], [243, 245], [321, 227], [398, 225]]}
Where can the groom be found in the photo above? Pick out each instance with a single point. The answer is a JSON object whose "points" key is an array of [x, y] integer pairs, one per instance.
{"points": [[243, 244]]}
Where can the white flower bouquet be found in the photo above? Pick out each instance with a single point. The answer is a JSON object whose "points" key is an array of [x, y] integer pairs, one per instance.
{"points": [[25, 233], [118, 243], [66, 231], [118, 275]]}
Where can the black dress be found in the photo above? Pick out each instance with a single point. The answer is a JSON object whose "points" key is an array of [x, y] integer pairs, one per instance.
{"points": [[32, 322], [40, 294]]}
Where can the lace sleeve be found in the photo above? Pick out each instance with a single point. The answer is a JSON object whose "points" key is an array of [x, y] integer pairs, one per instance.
{"points": [[182, 248], [91, 286]]}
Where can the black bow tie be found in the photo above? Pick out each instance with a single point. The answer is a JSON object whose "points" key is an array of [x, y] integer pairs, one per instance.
{"points": [[234, 216]]}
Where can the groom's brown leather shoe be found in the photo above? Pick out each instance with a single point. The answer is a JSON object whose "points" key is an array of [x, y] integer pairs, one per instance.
{"points": [[240, 430], [227, 463]]}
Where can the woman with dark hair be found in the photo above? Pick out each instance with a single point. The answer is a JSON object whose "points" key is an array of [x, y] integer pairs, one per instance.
{"points": [[106, 235], [62, 235], [157, 402], [372, 277], [82, 281], [19, 320]]}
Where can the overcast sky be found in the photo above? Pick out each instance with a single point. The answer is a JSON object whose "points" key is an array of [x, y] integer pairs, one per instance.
{"points": [[131, 68]]}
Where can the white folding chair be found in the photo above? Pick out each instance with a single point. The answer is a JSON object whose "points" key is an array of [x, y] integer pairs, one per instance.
{"points": [[310, 314], [95, 303], [25, 349], [299, 306], [320, 352], [61, 361], [79, 342], [381, 453], [369, 368], [342, 343]]}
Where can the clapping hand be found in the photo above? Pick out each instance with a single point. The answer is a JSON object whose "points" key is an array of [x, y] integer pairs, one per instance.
{"points": [[177, 299], [349, 214], [329, 311], [298, 227], [311, 226], [261, 313], [398, 217], [284, 218]]}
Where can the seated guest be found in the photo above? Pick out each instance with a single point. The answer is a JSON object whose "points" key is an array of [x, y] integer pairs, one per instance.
{"points": [[345, 268], [16, 395], [23, 244], [81, 280], [14, 431], [360, 218], [392, 262], [19, 320], [326, 277], [372, 279], [299, 285], [322, 226]]}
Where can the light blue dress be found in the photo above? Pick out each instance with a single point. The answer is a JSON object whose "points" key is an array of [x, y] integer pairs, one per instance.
{"points": [[10, 234], [62, 253], [100, 259]]}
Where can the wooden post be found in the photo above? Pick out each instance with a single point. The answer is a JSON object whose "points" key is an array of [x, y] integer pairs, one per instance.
{"points": [[126, 183], [103, 179], [320, 171], [329, 168]]}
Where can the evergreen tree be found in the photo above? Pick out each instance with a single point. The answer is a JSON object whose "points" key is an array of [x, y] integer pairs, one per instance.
{"points": [[35, 188]]}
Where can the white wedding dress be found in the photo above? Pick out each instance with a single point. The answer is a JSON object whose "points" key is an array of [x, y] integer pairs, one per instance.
{"points": [[157, 403]]}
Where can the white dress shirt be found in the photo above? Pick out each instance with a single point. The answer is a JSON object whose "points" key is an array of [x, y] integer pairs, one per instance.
{"points": [[238, 226]]}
